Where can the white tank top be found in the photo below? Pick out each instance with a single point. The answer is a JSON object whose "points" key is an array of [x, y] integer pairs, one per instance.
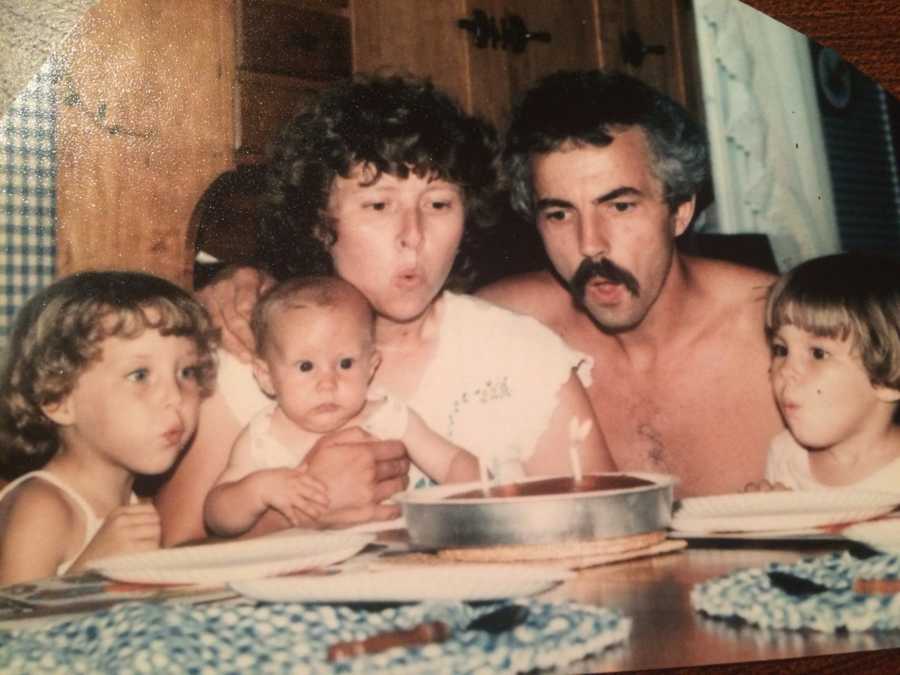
{"points": [[91, 522]]}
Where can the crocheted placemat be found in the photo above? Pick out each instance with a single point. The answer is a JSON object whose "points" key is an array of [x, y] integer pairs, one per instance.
{"points": [[244, 636], [751, 596]]}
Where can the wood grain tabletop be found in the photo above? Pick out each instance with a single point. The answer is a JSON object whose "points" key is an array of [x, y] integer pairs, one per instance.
{"points": [[864, 32]]}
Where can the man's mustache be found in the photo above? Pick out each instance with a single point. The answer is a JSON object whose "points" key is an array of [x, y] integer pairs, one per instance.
{"points": [[604, 269]]}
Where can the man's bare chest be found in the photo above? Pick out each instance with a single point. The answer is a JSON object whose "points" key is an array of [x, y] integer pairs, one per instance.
{"points": [[697, 421]]}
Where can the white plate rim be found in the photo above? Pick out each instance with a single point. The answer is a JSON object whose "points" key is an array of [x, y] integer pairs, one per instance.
{"points": [[783, 502], [772, 522], [203, 563], [491, 582], [871, 534]]}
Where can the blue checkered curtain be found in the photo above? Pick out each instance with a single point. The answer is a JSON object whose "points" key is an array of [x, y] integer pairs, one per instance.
{"points": [[27, 195]]}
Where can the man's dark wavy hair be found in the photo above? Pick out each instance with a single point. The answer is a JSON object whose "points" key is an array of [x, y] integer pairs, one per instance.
{"points": [[392, 124], [588, 108]]}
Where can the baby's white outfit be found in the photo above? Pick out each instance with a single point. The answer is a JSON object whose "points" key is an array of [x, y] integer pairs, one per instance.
{"points": [[491, 386], [91, 522], [267, 452], [788, 463]]}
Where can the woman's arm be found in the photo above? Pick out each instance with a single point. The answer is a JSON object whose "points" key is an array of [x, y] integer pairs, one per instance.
{"points": [[180, 499], [551, 455], [440, 459]]}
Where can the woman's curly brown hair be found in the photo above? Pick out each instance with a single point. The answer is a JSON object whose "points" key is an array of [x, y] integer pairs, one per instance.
{"points": [[59, 332], [390, 124]]}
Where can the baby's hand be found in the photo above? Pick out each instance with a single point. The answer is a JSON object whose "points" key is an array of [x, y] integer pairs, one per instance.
{"points": [[765, 486], [127, 529], [293, 492]]}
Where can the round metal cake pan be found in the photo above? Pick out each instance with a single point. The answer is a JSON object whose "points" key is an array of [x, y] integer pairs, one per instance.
{"points": [[436, 522]]}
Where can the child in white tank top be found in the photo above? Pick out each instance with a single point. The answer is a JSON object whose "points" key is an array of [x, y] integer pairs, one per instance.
{"points": [[834, 327], [103, 381]]}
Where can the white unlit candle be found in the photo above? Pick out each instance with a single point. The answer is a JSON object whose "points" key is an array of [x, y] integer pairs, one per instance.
{"points": [[575, 460], [483, 473], [577, 433]]}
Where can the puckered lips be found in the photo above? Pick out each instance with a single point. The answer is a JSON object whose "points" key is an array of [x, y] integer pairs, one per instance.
{"points": [[173, 435], [603, 291], [409, 278]]}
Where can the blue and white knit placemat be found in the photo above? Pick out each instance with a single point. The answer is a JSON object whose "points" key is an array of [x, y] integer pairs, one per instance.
{"points": [[244, 636], [749, 595]]}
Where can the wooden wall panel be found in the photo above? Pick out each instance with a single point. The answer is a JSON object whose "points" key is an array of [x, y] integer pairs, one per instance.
{"points": [[145, 125]]}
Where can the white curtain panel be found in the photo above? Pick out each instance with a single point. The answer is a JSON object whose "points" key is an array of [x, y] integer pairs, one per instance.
{"points": [[770, 171]]}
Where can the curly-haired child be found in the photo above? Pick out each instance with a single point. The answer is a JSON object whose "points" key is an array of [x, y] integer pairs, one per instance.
{"points": [[103, 380]]}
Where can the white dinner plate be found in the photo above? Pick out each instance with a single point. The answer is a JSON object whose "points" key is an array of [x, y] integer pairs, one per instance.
{"points": [[210, 564], [882, 535], [409, 584], [783, 503], [774, 523], [803, 534]]}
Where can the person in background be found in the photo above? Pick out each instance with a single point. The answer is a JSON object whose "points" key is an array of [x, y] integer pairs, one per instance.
{"points": [[315, 356], [103, 382], [833, 324], [609, 169], [386, 183]]}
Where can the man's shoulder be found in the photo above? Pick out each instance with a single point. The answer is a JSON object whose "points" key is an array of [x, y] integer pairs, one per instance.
{"points": [[732, 287], [537, 294]]}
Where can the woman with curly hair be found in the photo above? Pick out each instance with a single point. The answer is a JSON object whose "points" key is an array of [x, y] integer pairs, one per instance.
{"points": [[386, 183]]}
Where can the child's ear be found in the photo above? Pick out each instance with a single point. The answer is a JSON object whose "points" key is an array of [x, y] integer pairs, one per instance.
{"points": [[60, 412], [374, 362], [263, 377], [887, 394]]}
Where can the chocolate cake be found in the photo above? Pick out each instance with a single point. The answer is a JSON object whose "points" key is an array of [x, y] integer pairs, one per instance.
{"points": [[557, 486]]}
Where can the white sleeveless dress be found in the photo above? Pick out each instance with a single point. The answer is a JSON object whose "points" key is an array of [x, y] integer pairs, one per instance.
{"points": [[91, 522]]}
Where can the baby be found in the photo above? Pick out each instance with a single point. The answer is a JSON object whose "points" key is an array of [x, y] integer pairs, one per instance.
{"points": [[834, 328], [103, 381], [315, 356]]}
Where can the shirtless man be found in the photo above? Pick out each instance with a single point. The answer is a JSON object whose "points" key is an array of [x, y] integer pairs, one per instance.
{"points": [[609, 169]]}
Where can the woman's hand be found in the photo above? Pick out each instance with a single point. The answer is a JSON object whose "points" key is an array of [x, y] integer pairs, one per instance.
{"points": [[127, 529], [359, 473], [230, 299]]}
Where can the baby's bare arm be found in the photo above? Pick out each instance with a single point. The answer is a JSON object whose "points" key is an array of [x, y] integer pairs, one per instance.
{"points": [[234, 507]]}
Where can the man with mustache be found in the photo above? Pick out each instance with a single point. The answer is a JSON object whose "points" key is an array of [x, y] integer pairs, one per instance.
{"points": [[609, 169]]}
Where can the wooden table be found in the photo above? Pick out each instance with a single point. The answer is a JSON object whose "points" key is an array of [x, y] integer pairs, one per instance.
{"points": [[668, 633]]}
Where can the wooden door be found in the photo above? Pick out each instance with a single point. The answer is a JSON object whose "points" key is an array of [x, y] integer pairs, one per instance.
{"points": [[653, 40], [567, 39], [424, 38], [419, 38]]}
